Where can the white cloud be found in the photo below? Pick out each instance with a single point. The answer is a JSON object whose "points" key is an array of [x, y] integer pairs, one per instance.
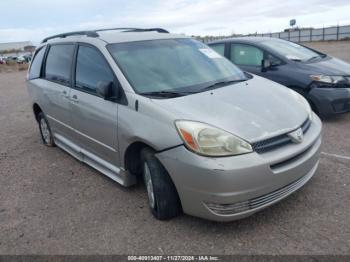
{"points": [[181, 16]]}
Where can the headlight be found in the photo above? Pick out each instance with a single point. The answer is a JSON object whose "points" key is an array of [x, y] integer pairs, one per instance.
{"points": [[327, 79], [307, 106], [210, 141]]}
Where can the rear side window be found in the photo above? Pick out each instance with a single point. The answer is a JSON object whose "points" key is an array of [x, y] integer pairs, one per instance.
{"points": [[246, 55], [91, 69], [35, 67], [219, 48], [59, 63]]}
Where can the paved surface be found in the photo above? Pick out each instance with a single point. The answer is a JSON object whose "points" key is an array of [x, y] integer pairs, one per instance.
{"points": [[52, 204], [340, 49]]}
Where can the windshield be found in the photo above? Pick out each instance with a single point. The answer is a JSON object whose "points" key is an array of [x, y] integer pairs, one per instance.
{"points": [[291, 50], [181, 65]]}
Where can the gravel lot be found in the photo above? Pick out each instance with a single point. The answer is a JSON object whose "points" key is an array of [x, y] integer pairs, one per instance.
{"points": [[339, 49], [52, 204]]}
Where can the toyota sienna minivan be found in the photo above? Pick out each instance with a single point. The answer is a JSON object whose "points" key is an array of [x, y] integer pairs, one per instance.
{"points": [[323, 80], [142, 104]]}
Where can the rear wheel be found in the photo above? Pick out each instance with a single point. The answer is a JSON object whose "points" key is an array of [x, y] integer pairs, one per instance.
{"points": [[163, 198], [45, 130]]}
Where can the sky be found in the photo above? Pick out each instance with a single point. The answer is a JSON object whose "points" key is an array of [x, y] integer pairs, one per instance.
{"points": [[33, 20]]}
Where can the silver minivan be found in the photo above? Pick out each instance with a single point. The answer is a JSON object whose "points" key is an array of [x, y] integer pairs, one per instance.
{"points": [[142, 104]]}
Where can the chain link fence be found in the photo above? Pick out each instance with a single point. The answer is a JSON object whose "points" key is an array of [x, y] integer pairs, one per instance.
{"points": [[300, 35]]}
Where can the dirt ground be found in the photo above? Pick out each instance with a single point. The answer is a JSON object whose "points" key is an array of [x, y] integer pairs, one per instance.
{"points": [[52, 204], [339, 49], [14, 67]]}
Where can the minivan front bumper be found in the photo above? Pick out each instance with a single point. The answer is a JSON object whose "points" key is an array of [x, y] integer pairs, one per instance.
{"points": [[230, 188]]}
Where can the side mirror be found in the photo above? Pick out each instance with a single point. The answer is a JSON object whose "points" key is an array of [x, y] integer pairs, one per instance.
{"points": [[265, 65], [106, 90]]}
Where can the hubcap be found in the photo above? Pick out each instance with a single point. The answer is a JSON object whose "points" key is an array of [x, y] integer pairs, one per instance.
{"points": [[45, 131], [149, 186]]}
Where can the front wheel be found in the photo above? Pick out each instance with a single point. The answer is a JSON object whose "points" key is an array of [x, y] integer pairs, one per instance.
{"points": [[45, 130], [163, 198]]}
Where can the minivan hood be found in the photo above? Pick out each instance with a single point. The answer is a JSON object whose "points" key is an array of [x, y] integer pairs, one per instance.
{"points": [[253, 110], [328, 66]]}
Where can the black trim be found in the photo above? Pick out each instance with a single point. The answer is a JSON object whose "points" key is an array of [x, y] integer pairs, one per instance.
{"points": [[64, 35], [128, 29], [43, 66], [272, 143], [169, 148], [228, 50], [74, 64], [93, 33]]}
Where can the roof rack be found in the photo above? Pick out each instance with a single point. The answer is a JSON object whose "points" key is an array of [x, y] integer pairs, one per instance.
{"points": [[131, 29], [93, 33], [87, 33]]}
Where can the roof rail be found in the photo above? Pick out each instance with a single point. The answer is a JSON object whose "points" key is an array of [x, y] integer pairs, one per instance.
{"points": [[130, 29], [114, 29], [93, 33], [87, 33]]}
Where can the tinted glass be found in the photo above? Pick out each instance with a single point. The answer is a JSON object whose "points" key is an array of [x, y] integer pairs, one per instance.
{"points": [[91, 69], [172, 64], [59, 62], [274, 60], [35, 67], [290, 50], [219, 48], [246, 55]]}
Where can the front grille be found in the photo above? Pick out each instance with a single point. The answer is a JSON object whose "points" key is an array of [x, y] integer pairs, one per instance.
{"points": [[276, 166], [230, 209], [269, 144]]}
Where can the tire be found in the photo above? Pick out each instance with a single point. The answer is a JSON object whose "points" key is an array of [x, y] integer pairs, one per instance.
{"points": [[163, 198], [45, 130]]}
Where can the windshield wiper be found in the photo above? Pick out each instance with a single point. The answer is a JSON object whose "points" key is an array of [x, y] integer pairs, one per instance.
{"points": [[221, 83], [165, 93], [170, 94], [296, 59], [316, 56]]}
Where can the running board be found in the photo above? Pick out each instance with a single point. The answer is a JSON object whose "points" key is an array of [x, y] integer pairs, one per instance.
{"points": [[115, 173]]}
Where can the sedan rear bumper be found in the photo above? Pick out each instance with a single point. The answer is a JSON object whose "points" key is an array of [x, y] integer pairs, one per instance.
{"points": [[230, 188]]}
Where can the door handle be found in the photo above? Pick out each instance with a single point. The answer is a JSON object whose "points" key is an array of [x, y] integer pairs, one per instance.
{"points": [[75, 98]]}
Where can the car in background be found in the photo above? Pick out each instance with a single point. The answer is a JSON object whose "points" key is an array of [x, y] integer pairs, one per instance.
{"points": [[2, 60], [21, 60], [11, 60], [27, 58], [323, 80]]}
